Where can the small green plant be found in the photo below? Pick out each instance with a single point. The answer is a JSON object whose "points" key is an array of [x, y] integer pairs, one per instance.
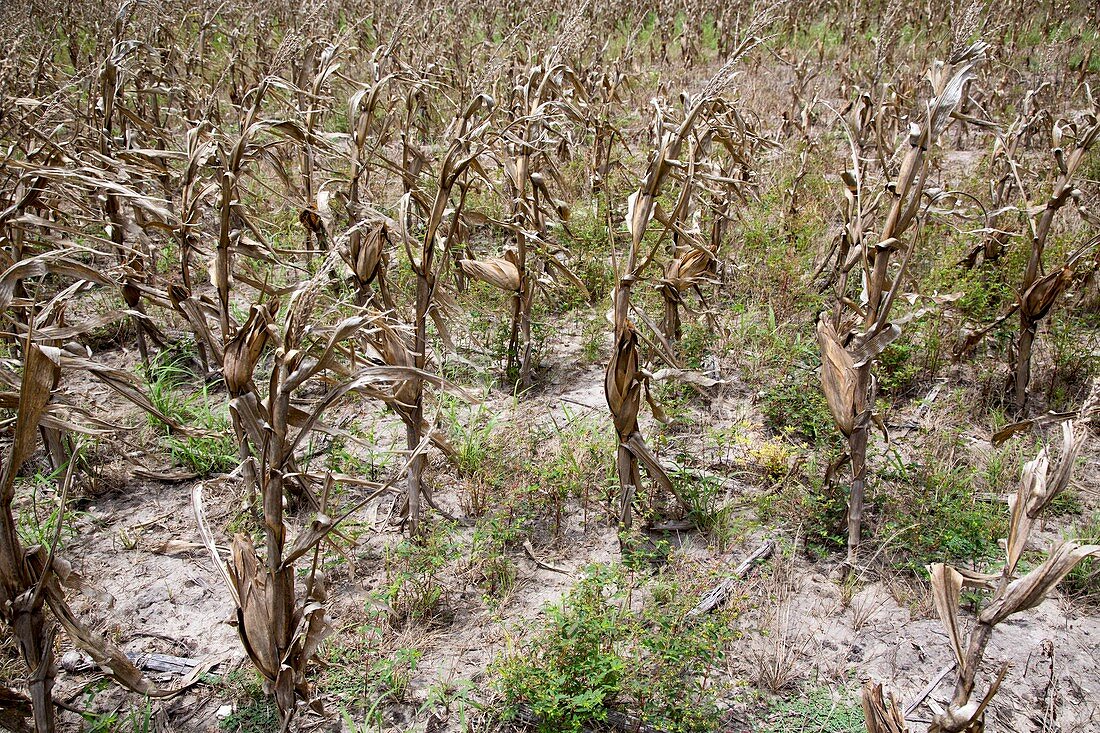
{"points": [[708, 507], [37, 521], [898, 368], [489, 565], [790, 395], [138, 720], [1065, 504], [258, 715], [168, 375], [212, 447], [414, 590], [928, 512], [593, 336], [393, 674], [693, 344], [816, 709], [253, 711], [823, 510], [472, 439], [595, 655], [1083, 582], [576, 669], [797, 407], [774, 459]]}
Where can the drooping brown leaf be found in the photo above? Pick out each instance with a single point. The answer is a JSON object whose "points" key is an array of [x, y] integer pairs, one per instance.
{"points": [[839, 379], [947, 586], [880, 711], [38, 380], [1030, 590], [496, 271]]}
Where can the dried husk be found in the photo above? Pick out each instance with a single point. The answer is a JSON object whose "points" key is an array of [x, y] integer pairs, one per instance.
{"points": [[243, 350], [839, 379], [496, 271], [364, 254], [1041, 296], [687, 270], [622, 388]]}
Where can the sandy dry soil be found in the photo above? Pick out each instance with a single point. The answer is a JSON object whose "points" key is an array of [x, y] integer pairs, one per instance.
{"points": [[158, 591]]}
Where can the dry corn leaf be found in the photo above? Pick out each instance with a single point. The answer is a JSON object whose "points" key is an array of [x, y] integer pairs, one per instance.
{"points": [[1033, 481], [873, 345], [947, 586], [496, 271], [880, 712], [839, 378], [1030, 590], [1073, 439], [38, 380]]}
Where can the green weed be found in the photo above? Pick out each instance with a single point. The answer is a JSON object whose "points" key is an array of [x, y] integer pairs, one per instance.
{"points": [[594, 655], [817, 709], [1083, 582], [413, 589], [927, 511], [212, 447]]}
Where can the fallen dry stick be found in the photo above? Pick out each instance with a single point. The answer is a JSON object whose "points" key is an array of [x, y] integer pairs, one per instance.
{"points": [[718, 595]]}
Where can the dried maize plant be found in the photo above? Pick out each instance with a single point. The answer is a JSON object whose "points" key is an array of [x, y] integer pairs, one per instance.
{"points": [[200, 147], [713, 183], [314, 75], [368, 243], [852, 336], [1001, 185], [115, 139], [235, 226], [386, 342], [413, 156], [1040, 289], [625, 379], [603, 88], [462, 154], [798, 117], [279, 629], [692, 260], [539, 108], [23, 198], [1039, 486], [23, 571], [32, 578], [279, 634], [845, 246]]}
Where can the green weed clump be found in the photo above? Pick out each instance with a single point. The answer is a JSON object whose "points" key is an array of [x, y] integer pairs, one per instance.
{"points": [[212, 447], [815, 509], [1083, 582], [929, 511], [414, 589], [816, 709], [595, 655], [796, 406], [253, 711]]}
